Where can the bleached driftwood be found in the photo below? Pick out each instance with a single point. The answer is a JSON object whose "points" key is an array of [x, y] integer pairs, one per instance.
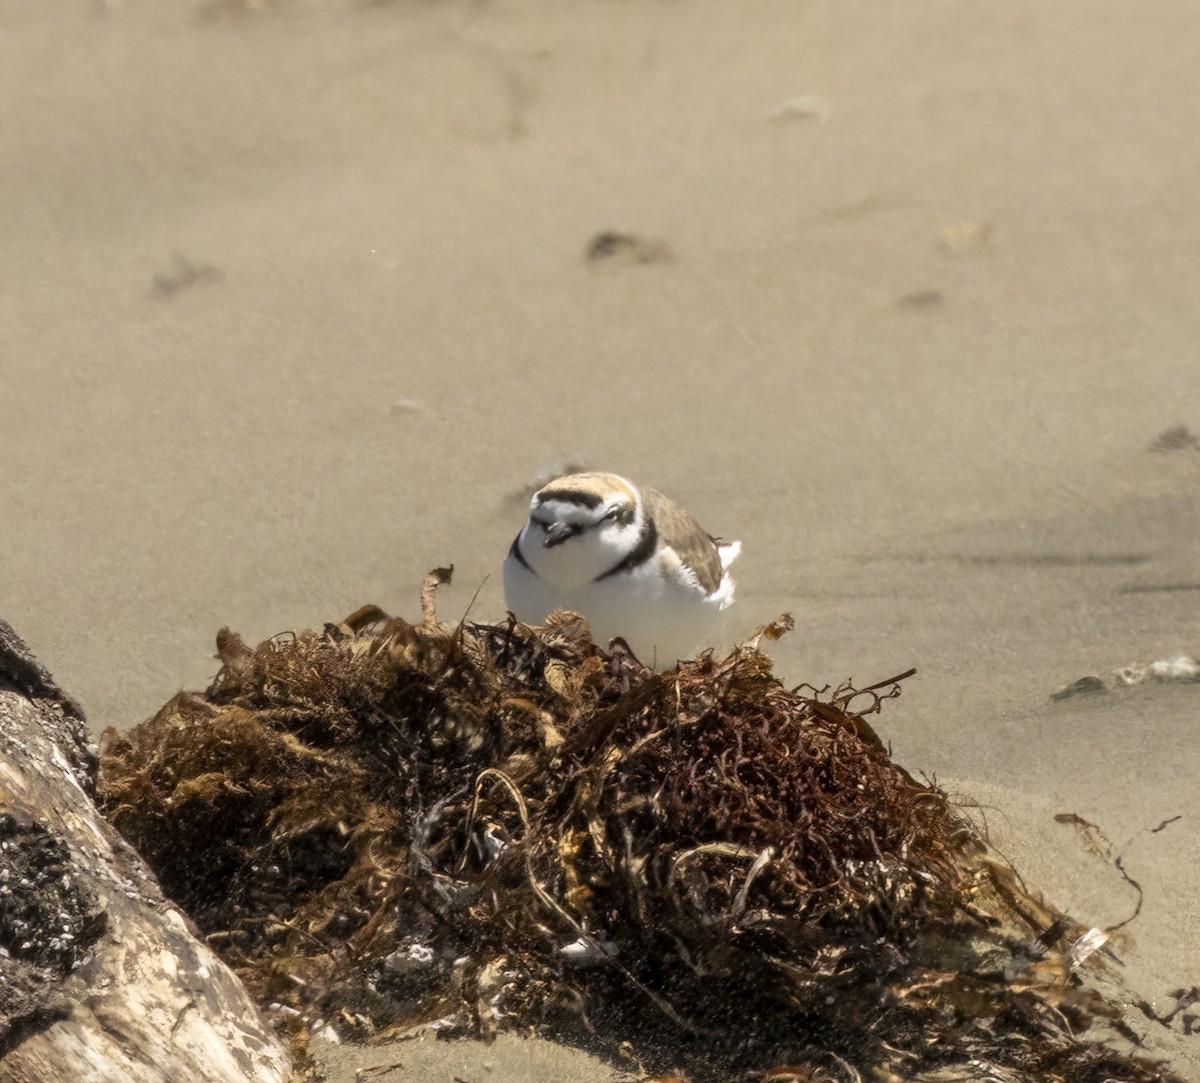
{"points": [[100, 977]]}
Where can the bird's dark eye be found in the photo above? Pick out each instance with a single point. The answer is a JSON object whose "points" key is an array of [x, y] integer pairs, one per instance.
{"points": [[610, 515]]}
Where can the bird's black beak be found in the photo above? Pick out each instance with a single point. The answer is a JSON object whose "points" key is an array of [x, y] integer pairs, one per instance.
{"points": [[557, 533]]}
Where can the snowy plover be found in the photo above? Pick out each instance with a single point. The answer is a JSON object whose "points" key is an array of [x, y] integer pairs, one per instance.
{"points": [[632, 562]]}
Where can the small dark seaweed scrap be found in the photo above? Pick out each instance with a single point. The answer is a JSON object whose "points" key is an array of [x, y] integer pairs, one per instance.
{"points": [[625, 248], [1176, 438], [183, 273]]}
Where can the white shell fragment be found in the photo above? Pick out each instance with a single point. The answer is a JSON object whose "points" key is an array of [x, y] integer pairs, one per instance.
{"points": [[587, 951], [410, 959], [1180, 668], [1088, 944]]}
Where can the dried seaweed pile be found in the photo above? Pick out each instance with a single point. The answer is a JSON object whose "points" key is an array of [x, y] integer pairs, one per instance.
{"points": [[383, 825]]}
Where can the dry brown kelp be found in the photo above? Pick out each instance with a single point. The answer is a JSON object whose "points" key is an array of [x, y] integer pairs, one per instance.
{"points": [[383, 825]]}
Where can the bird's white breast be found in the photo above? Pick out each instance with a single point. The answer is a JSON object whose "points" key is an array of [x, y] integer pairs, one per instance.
{"points": [[658, 609]]}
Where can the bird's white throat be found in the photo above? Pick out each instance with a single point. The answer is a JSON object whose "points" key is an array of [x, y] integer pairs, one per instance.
{"points": [[592, 546]]}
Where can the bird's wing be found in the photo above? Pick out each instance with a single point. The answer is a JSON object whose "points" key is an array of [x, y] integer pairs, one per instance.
{"points": [[696, 549]]}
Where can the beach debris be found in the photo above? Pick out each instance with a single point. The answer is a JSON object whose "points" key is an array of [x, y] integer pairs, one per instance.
{"points": [[1184, 999], [101, 976], [803, 107], [406, 407], [1093, 838], [387, 826], [587, 951], [965, 236], [1099, 845], [1176, 438], [921, 299], [1087, 945], [183, 273], [611, 246], [1088, 685], [1179, 668]]}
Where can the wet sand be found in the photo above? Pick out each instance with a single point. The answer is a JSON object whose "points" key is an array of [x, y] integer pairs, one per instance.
{"points": [[295, 300]]}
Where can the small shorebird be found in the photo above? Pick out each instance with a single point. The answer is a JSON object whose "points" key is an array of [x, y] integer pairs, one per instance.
{"points": [[626, 558]]}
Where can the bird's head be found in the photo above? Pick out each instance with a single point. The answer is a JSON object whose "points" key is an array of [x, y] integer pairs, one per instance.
{"points": [[580, 526]]}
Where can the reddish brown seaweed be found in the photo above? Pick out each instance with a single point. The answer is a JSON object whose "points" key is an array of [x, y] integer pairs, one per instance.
{"points": [[384, 824]]}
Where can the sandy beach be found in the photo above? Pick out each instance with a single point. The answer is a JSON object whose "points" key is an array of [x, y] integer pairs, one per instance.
{"points": [[295, 307]]}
